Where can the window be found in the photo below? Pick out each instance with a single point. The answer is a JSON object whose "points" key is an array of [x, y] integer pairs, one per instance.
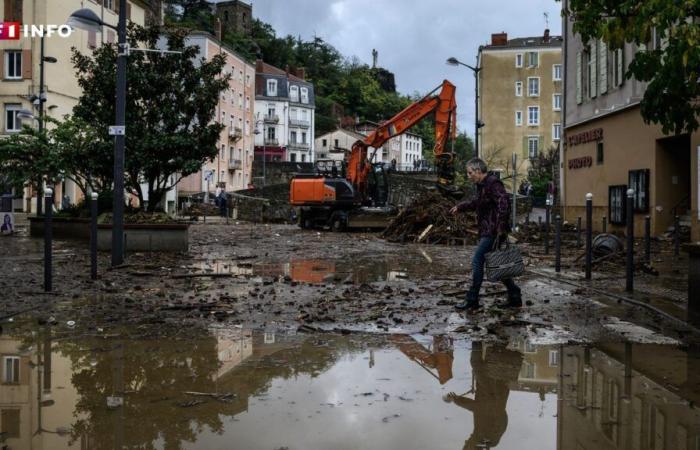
{"points": [[13, 65], [304, 95], [9, 422], [293, 157], [294, 93], [293, 113], [553, 358], [109, 4], [639, 181], [271, 89], [533, 115], [13, 11], [618, 68], [223, 151], [518, 88], [247, 103], [556, 102], [532, 146], [324, 143], [600, 156], [556, 132], [303, 137], [303, 158], [616, 203], [556, 72], [532, 59], [223, 117], [518, 118], [12, 122], [592, 71], [336, 143], [533, 87], [10, 369], [271, 133], [519, 60], [293, 137]]}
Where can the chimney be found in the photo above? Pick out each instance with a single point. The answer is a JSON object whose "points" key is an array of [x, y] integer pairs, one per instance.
{"points": [[499, 38], [545, 38], [218, 28], [259, 65], [301, 73]]}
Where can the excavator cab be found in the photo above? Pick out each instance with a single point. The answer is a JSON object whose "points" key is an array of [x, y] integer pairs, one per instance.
{"points": [[378, 186]]}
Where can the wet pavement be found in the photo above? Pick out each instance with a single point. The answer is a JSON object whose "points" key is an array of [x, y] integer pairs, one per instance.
{"points": [[221, 388]]}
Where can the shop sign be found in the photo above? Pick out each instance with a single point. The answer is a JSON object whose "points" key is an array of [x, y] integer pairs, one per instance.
{"points": [[584, 137], [579, 163]]}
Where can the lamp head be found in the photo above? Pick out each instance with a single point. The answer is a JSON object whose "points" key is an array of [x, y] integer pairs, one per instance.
{"points": [[85, 19], [25, 114], [452, 61]]}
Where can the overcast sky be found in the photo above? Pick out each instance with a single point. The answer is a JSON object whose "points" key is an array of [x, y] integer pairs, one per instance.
{"points": [[413, 37]]}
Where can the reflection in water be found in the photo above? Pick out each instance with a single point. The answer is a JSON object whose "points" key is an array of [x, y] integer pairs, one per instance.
{"points": [[266, 390]]}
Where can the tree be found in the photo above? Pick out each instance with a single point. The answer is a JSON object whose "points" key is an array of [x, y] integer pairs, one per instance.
{"points": [[541, 171], [671, 64], [171, 102]]}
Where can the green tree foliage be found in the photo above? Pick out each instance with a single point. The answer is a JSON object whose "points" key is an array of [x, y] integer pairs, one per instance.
{"points": [[171, 101], [672, 69]]}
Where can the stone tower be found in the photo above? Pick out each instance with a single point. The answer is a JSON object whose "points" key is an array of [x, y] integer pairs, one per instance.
{"points": [[235, 16]]}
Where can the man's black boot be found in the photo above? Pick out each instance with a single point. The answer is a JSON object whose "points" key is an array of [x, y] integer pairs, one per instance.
{"points": [[471, 301], [515, 300]]}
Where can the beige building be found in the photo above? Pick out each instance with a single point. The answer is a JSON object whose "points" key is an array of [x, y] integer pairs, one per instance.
{"points": [[337, 144], [608, 148], [231, 169], [520, 99], [20, 65]]}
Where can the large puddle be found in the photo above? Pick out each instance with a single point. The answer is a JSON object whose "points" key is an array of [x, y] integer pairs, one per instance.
{"points": [[237, 389]]}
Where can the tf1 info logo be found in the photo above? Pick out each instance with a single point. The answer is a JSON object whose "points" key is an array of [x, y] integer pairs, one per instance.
{"points": [[15, 31]]}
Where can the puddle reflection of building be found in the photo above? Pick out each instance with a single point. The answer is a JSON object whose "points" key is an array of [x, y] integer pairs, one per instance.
{"points": [[540, 369], [437, 356], [629, 397]]}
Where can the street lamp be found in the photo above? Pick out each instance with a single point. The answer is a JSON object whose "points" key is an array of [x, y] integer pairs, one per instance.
{"points": [[86, 19], [477, 124]]}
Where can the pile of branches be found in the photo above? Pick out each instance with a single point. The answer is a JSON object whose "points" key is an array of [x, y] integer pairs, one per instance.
{"points": [[201, 209], [428, 219]]}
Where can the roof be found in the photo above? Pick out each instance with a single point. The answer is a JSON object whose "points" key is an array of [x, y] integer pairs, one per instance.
{"points": [[346, 131], [211, 37], [528, 42], [272, 70]]}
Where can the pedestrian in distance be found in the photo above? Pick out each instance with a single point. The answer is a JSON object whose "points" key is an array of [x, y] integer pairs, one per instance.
{"points": [[492, 207]]}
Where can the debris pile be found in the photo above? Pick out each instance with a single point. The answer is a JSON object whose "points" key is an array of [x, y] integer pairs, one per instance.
{"points": [[428, 219], [201, 209]]}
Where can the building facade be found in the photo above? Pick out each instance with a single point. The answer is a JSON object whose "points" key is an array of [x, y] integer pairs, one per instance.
{"points": [[231, 170], [19, 64], [520, 99], [337, 144], [403, 152], [608, 148], [236, 16], [284, 121]]}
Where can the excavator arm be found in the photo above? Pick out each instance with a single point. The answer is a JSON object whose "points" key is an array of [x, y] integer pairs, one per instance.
{"points": [[445, 108]]}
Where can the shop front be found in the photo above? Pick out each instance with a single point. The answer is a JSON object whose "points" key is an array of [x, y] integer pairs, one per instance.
{"points": [[608, 155]]}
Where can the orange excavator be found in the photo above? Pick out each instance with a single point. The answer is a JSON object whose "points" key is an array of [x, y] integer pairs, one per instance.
{"points": [[356, 193]]}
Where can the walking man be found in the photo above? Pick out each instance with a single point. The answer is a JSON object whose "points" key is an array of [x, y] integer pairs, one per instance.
{"points": [[492, 211]]}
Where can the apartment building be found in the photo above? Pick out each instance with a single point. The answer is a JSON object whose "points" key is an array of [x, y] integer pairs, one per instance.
{"points": [[232, 168], [403, 152], [284, 121], [520, 98], [19, 65], [608, 148], [337, 144]]}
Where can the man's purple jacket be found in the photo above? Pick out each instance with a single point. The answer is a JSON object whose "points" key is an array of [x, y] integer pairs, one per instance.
{"points": [[492, 207]]}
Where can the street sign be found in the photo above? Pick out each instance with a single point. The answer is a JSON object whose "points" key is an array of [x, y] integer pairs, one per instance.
{"points": [[115, 130], [208, 175]]}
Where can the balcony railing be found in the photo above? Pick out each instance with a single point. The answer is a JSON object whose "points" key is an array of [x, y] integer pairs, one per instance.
{"points": [[235, 164], [271, 142], [299, 123], [271, 118], [235, 133], [299, 145]]}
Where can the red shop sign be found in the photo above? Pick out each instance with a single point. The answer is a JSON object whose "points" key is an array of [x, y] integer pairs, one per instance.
{"points": [[578, 163]]}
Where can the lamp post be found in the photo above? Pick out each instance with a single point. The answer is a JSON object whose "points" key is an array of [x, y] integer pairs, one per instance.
{"points": [[477, 124], [86, 19], [257, 131]]}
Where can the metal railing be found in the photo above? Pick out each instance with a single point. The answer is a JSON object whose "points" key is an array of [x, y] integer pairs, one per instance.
{"points": [[235, 133], [235, 164], [299, 123], [271, 118], [299, 145], [272, 142]]}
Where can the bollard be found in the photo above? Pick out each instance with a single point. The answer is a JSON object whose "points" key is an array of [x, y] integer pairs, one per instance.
{"points": [[676, 236], [589, 234], [557, 243], [539, 223], [630, 240], [578, 231], [48, 236], [546, 227], [93, 236], [647, 239], [605, 224]]}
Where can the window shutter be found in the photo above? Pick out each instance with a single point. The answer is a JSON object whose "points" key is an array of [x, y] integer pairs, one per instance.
{"points": [[579, 98], [3, 55], [620, 66], [128, 10], [92, 39], [525, 149], [27, 64], [603, 58], [540, 144], [593, 82], [7, 15]]}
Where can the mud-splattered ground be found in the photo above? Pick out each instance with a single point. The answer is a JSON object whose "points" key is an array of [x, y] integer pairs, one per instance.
{"points": [[277, 277]]}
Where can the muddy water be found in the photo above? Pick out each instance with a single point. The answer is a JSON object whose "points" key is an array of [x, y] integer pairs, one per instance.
{"points": [[232, 388]]}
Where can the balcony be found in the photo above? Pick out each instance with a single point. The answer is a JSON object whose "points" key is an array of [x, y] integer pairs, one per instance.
{"points": [[271, 142], [271, 118], [235, 133], [299, 123], [235, 164], [299, 146]]}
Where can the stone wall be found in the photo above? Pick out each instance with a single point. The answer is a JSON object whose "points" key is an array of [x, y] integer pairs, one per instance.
{"points": [[278, 172]]}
